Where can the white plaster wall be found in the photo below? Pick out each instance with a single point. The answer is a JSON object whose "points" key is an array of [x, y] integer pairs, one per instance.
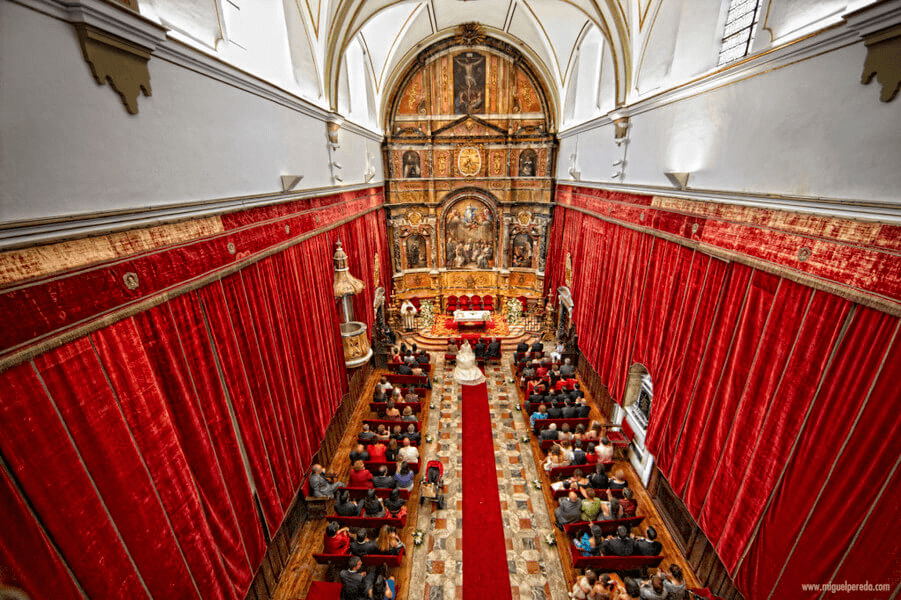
{"points": [[69, 146], [808, 129]]}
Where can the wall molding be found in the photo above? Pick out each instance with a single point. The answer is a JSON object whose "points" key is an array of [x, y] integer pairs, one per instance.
{"points": [[861, 210], [22, 234]]}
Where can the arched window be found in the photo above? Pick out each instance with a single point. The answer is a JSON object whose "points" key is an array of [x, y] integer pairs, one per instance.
{"points": [[741, 22]]}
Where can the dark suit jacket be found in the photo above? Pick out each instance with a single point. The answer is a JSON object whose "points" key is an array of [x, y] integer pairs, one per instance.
{"points": [[537, 347], [355, 456], [404, 370], [645, 548], [579, 457], [554, 413], [387, 481], [479, 350], [522, 347], [494, 349], [549, 434], [614, 546], [352, 587], [358, 549], [570, 412], [422, 359], [584, 411]]}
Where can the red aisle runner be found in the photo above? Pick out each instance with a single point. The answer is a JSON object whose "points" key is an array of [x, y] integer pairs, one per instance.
{"points": [[485, 570]]}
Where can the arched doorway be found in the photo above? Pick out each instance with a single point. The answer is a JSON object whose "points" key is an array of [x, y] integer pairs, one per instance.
{"points": [[636, 412]]}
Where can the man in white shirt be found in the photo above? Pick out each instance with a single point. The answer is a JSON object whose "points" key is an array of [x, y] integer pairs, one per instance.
{"points": [[408, 453]]}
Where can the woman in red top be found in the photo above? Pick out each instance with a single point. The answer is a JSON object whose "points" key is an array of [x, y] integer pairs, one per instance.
{"points": [[360, 475], [337, 540], [377, 451], [628, 503]]}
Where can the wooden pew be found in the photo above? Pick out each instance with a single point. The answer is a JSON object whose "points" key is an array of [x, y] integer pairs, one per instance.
{"points": [[405, 380], [361, 492], [381, 407], [426, 367], [367, 442], [541, 424], [569, 470], [373, 466], [375, 560], [602, 493], [606, 564], [374, 424], [369, 522], [607, 527]]}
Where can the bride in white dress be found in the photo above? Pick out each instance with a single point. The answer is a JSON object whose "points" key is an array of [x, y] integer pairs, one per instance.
{"points": [[467, 372]]}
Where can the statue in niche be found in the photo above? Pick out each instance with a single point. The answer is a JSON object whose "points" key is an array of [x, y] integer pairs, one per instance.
{"points": [[528, 163], [469, 83], [416, 252], [470, 236], [522, 250], [411, 164]]}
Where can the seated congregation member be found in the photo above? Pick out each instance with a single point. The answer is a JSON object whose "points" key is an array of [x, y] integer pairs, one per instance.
{"points": [[372, 506], [567, 449], [605, 450], [337, 540], [410, 358], [611, 510], [554, 411], [590, 457], [422, 358], [591, 506], [522, 348], [404, 476], [360, 475], [391, 452], [411, 434], [537, 346], [535, 416], [404, 369], [555, 458], [607, 588], [567, 369], [595, 432], [584, 585], [379, 395], [632, 589], [557, 352], [451, 347], [323, 484], [619, 481], [391, 412], [378, 586], [419, 372], [580, 457], [361, 545], [653, 589], [396, 505], [648, 545], [378, 451], [569, 511], [479, 349], [674, 582], [345, 507], [359, 453], [570, 411], [577, 483], [408, 453], [542, 370], [494, 349], [383, 480], [367, 434], [591, 541], [598, 479], [412, 397], [395, 356], [388, 542], [622, 544], [408, 415], [565, 435], [529, 372], [351, 578], [550, 433], [397, 433], [584, 409], [385, 385], [628, 503]]}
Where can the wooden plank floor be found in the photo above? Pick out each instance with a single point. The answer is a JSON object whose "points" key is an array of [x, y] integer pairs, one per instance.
{"points": [[646, 509], [301, 569]]}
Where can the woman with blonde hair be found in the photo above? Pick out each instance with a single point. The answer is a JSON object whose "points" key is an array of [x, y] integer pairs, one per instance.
{"points": [[388, 541]]}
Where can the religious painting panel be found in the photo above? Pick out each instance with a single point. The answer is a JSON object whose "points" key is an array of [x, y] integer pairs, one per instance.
{"points": [[522, 250], [469, 83], [469, 161], [470, 235], [413, 99], [528, 163], [411, 164]]}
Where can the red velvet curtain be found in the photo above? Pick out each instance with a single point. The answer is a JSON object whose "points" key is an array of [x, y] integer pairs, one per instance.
{"points": [[144, 448], [766, 396]]}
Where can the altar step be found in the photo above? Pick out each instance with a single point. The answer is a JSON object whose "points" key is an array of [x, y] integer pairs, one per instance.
{"points": [[432, 344]]}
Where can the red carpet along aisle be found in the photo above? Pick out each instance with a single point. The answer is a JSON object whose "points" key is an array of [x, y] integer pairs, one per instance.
{"points": [[485, 568]]}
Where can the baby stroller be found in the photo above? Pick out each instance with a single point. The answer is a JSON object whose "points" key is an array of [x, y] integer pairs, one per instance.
{"points": [[431, 487]]}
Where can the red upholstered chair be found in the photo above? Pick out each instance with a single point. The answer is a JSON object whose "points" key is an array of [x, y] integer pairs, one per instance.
{"points": [[488, 303], [415, 302], [476, 302], [525, 303], [451, 304], [464, 302]]}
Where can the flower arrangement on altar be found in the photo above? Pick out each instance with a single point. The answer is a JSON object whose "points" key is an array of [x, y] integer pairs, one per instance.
{"points": [[429, 439], [536, 484], [517, 408], [418, 537], [427, 313], [550, 539], [513, 310], [525, 440]]}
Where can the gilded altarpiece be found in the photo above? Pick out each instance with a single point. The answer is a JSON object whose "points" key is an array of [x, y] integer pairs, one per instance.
{"points": [[470, 152]]}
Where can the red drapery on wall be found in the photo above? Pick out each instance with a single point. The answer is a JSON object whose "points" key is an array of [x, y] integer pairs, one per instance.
{"points": [[761, 387], [147, 444]]}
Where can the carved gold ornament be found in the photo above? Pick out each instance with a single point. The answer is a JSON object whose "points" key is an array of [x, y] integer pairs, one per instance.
{"points": [[524, 217], [376, 274], [469, 161], [414, 217]]}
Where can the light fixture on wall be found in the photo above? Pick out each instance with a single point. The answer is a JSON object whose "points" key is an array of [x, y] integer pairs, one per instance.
{"points": [[679, 180]]}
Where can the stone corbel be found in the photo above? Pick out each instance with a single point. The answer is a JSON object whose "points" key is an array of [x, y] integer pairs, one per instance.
{"points": [[116, 42], [880, 27]]}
